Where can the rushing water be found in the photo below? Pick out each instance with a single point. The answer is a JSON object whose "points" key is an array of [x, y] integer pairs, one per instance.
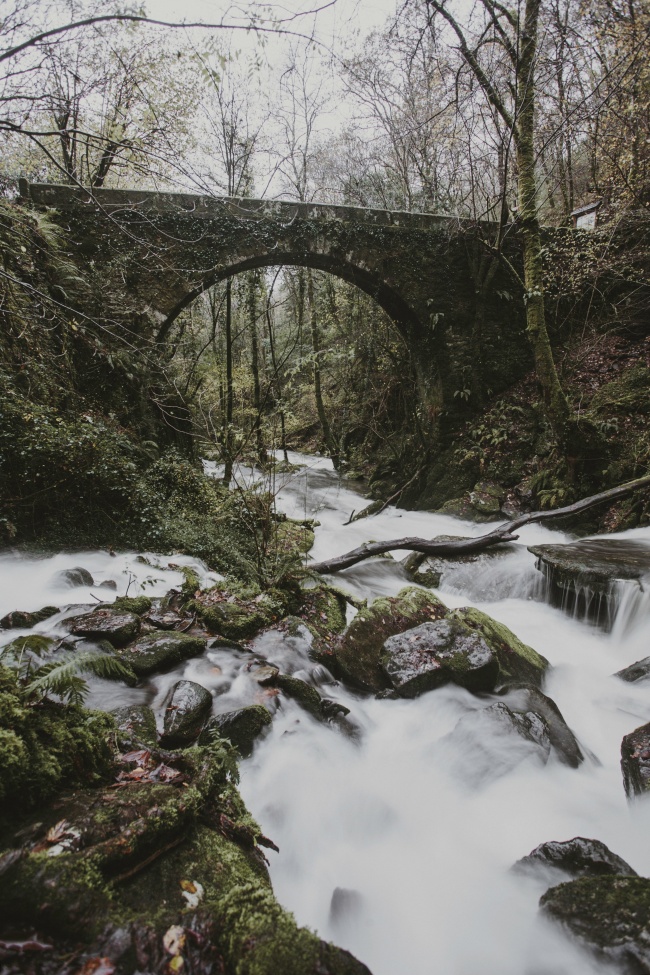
{"points": [[396, 841]]}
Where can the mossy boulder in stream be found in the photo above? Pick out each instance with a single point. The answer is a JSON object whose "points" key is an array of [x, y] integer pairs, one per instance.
{"points": [[238, 612], [357, 657], [136, 725], [517, 661], [159, 651], [609, 915], [241, 728], [579, 857], [434, 654]]}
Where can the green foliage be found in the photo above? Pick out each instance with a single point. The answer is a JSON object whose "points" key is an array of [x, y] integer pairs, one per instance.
{"points": [[44, 745]]}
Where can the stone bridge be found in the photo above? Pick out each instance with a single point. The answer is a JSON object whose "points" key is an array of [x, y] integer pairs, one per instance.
{"points": [[153, 253]]}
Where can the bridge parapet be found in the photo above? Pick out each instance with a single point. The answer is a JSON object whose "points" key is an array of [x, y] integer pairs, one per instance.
{"points": [[59, 195]]}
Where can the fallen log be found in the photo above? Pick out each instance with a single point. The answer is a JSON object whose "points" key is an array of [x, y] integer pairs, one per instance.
{"points": [[451, 548]]}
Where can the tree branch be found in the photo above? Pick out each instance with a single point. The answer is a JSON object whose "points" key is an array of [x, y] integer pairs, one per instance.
{"points": [[451, 548]]}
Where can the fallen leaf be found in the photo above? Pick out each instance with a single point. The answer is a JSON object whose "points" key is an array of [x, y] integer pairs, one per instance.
{"points": [[174, 939], [97, 966], [57, 832], [175, 964]]}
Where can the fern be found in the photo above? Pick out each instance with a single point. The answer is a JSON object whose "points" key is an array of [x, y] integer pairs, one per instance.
{"points": [[62, 676]]}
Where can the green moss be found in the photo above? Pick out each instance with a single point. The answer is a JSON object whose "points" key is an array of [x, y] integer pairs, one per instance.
{"points": [[46, 746], [133, 604], [608, 913], [517, 661], [21, 620]]}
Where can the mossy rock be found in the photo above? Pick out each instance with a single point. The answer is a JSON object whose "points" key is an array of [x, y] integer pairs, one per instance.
{"points": [[160, 651], [627, 393], [238, 614], [187, 707], [357, 655], [25, 621], [45, 746], [609, 915], [294, 536], [517, 661], [133, 604], [241, 728], [298, 690], [136, 725], [198, 841], [324, 610]]}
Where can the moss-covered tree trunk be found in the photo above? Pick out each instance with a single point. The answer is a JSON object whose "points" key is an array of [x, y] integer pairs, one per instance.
{"points": [[555, 402], [253, 285]]}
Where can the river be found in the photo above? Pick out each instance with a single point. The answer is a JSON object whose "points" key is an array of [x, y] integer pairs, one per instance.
{"points": [[393, 842]]}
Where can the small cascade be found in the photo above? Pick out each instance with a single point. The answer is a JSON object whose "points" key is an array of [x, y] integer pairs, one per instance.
{"points": [[596, 580]]}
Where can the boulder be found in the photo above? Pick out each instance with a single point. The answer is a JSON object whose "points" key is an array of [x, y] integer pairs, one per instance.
{"points": [[563, 741], [18, 620], [136, 725], [609, 915], [186, 710], [517, 661], [433, 654], [346, 908], [582, 576], [635, 762], [482, 503], [357, 656], [578, 857], [106, 624], [160, 651], [635, 672], [492, 741], [241, 728], [77, 576]]}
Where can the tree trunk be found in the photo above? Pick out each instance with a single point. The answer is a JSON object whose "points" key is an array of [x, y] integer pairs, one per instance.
{"points": [[255, 366], [556, 406], [228, 431], [328, 440]]}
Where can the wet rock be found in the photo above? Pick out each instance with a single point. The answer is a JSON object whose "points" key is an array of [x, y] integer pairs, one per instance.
{"points": [[305, 695], [433, 654], [237, 616], [77, 576], [578, 857], [635, 762], [563, 741], [492, 741], [106, 624], [164, 619], [186, 710], [107, 584], [136, 725], [517, 661], [241, 728], [25, 621], [581, 576], [160, 651], [609, 915], [635, 672], [357, 657], [483, 503]]}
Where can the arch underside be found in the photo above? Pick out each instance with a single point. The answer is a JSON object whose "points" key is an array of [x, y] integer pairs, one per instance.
{"points": [[386, 297]]}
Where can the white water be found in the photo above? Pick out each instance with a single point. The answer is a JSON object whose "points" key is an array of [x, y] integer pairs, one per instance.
{"points": [[398, 814]]}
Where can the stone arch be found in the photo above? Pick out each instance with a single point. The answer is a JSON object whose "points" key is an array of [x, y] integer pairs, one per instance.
{"points": [[396, 307]]}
